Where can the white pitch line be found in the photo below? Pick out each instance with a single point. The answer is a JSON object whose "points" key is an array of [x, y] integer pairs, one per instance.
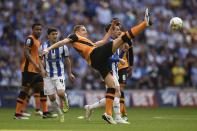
{"points": [[179, 118]]}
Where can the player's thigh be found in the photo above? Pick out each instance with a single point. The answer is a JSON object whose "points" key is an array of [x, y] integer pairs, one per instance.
{"points": [[117, 85], [117, 43], [60, 83], [49, 88], [27, 78], [116, 82], [38, 83], [122, 73], [109, 81]]}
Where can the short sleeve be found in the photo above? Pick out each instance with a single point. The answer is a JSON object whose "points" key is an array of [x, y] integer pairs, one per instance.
{"points": [[73, 37], [66, 52], [29, 42]]}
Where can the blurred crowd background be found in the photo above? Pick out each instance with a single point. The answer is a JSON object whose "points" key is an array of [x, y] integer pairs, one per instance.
{"points": [[162, 57]]}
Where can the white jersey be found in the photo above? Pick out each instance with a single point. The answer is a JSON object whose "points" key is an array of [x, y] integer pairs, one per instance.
{"points": [[54, 60]]}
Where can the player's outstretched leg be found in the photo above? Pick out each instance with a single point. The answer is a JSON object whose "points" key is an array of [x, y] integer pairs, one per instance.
{"points": [[89, 108], [126, 37]]}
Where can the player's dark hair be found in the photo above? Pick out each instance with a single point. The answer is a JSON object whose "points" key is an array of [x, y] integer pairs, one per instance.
{"points": [[36, 24], [77, 27], [51, 29], [109, 25], [115, 18]]}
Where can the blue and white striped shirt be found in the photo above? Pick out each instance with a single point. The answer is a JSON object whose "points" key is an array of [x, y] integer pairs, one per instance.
{"points": [[114, 60], [54, 60]]}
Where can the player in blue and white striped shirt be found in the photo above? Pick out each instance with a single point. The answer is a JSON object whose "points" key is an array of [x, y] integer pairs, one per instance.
{"points": [[54, 66]]}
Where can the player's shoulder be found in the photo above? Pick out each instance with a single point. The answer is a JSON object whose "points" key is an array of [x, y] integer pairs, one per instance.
{"points": [[29, 41]]}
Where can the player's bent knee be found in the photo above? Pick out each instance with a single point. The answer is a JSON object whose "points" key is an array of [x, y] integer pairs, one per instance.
{"points": [[61, 93], [52, 97], [26, 89]]}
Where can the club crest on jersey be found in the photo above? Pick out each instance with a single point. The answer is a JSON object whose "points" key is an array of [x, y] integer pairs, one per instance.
{"points": [[28, 42]]}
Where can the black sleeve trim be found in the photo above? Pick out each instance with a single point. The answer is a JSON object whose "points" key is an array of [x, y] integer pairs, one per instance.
{"points": [[73, 37], [130, 56]]}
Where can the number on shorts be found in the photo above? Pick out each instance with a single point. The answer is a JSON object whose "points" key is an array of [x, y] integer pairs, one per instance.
{"points": [[62, 81]]}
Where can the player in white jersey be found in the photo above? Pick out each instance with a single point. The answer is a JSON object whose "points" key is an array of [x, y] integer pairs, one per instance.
{"points": [[54, 83], [113, 62]]}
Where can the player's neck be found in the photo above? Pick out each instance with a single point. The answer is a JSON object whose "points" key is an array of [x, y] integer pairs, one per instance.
{"points": [[52, 42], [35, 36], [81, 35]]}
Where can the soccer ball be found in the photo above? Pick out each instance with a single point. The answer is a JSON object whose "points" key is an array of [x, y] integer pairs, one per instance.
{"points": [[176, 23]]}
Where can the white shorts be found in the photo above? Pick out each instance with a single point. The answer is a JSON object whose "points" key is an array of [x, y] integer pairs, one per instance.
{"points": [[51, 85], [115, 75], [116, 80]]}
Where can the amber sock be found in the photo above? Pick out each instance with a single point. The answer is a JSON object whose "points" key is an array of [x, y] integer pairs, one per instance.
{"points": [[110, 93], [20, 102], [134, 31], [122, 104], [43, 100], [37, 100]]}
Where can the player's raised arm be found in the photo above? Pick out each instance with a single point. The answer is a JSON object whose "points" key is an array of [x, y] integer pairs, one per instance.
{"points": [[57, 44], [107, 35]]}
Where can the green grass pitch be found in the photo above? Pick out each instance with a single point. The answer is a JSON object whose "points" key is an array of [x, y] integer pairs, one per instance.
{"points": [[141, 119]]}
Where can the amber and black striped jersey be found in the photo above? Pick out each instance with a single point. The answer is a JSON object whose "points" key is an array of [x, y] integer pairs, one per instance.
{"points": [[33, 44], [83, 46]]}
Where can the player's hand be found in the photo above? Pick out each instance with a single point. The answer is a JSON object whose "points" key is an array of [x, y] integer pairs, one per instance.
{"points": [[43, 73], [37, 68], [122, 62], [125, 47], [113, 24], [71, 77], [45, 51]]}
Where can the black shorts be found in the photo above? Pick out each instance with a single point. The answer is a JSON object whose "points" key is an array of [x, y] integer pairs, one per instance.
{"points": [[31, 78], [100, 58], [122, 73]]}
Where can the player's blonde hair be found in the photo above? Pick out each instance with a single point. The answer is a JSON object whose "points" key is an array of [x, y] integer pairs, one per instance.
{"points": [[77, 27]]}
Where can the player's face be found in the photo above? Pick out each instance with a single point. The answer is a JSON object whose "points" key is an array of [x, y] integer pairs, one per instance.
{"points": [[37, 30], [116, 32], [53, 37], [82, 32]]}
